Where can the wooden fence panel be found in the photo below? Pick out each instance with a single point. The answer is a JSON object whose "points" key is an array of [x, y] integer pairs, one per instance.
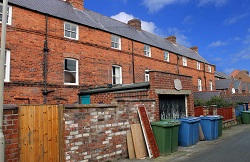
{"points": [[39, 133]]}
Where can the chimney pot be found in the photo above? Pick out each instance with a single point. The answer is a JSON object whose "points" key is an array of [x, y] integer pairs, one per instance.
{"points": [[195, 48], [136, 23], [171, 39], [79, 4]]}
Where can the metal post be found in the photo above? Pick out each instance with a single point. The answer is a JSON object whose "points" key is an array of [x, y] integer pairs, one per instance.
{"points": [[2, 59]]}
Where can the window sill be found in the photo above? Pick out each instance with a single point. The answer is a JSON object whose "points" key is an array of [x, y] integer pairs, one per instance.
{"points": [[116, 48], [76, 39], [71, 84]]}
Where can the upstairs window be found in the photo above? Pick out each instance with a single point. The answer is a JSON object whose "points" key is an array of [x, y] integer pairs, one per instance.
{"points": [[198, 66], [184, 61], [116, 74], [7, 66], [70, 71], [209, 69], [70, 31], [116, 42], [9, 14], [199, 85], [211, 85], [146, 76], [147, 51], [166, 56]]}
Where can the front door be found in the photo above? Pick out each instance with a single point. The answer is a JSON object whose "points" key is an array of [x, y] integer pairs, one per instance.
{"points": [[172, 106]]}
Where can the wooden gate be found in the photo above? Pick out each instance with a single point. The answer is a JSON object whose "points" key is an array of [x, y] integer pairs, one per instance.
{"points": [[39, 133]]}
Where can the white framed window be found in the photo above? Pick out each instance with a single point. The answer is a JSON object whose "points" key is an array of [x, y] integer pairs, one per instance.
{"points": [[166, 56], [116, 74], [198, 65], [146, 75], [147, 50], [115, 42], [71, 71], [184, 61], [211, 85], [209, 69], [9, 14], [71, 31], [7, 66], [199, 85]]}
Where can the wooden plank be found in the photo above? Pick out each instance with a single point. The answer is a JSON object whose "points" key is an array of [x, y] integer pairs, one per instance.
{"points": [[36, 134], [61, 133], [151, 144], [49, 133], [40, 134], [25, 133], [131, 149], [21, 137], [45, 133], [138, 140]]}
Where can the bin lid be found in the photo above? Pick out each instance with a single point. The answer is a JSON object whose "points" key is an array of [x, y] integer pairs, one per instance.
{"points": [[166, 123], [209, 117], [190, 119], [246, 112]]}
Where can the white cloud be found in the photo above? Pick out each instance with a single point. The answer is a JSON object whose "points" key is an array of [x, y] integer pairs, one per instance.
{"points": [[216, 3], [188, 20], [217, 44], [156, 5], [124, 17], [180, 37], [235, 19]]}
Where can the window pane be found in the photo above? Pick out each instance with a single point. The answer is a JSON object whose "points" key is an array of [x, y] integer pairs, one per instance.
{"points": [[70, 65], [1, 9], [67, 33], [73, 35], [67, 26], [113, 38], [73, 28], [69, 77], [113, 44]]}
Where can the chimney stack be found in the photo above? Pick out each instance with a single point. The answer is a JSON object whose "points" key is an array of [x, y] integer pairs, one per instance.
{"points": [[136, 23], [79, 4], [195, 48], [171, 39]]}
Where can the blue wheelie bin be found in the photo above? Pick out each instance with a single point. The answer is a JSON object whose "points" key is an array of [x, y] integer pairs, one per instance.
{"points": [[189, 131], [209, 126]]}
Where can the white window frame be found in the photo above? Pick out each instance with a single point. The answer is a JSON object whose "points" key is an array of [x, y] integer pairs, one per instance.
{"points": [[209, 69], [166, 53], [184, 61], [77, 72], [118, 43], [198, 65], [147, 50], [147, 76], [77, 31], [199, 85], [7, 66], [211, 85], [9, 18], [117, 66]]}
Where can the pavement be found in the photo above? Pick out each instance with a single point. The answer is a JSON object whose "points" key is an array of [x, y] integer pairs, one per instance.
{"points": [[233, 146]]}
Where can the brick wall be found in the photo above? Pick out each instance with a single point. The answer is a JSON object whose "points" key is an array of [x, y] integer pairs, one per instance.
{"points": [[98, 132], [10, 130], [92, 50]]}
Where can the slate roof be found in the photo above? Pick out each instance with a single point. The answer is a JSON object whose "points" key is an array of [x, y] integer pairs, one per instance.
{"points": [[221, 75], [63, 10], [205, 96], [223, 84]]}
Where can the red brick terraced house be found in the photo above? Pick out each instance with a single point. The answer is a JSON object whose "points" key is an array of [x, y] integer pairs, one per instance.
{"points": [[55, 48]]}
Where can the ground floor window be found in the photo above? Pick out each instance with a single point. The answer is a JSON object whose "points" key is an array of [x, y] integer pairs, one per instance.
{"points": [[116, 74]]}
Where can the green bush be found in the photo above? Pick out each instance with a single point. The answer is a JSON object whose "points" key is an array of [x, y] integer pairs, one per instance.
{"points": [[218, 101]]}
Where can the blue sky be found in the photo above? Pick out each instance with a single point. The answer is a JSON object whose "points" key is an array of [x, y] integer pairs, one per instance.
{"points": [[220, 28]]}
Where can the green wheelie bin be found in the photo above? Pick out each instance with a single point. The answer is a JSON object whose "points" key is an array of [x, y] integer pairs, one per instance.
{"points": [[246, 117], [166, 135], [220, 126]]}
